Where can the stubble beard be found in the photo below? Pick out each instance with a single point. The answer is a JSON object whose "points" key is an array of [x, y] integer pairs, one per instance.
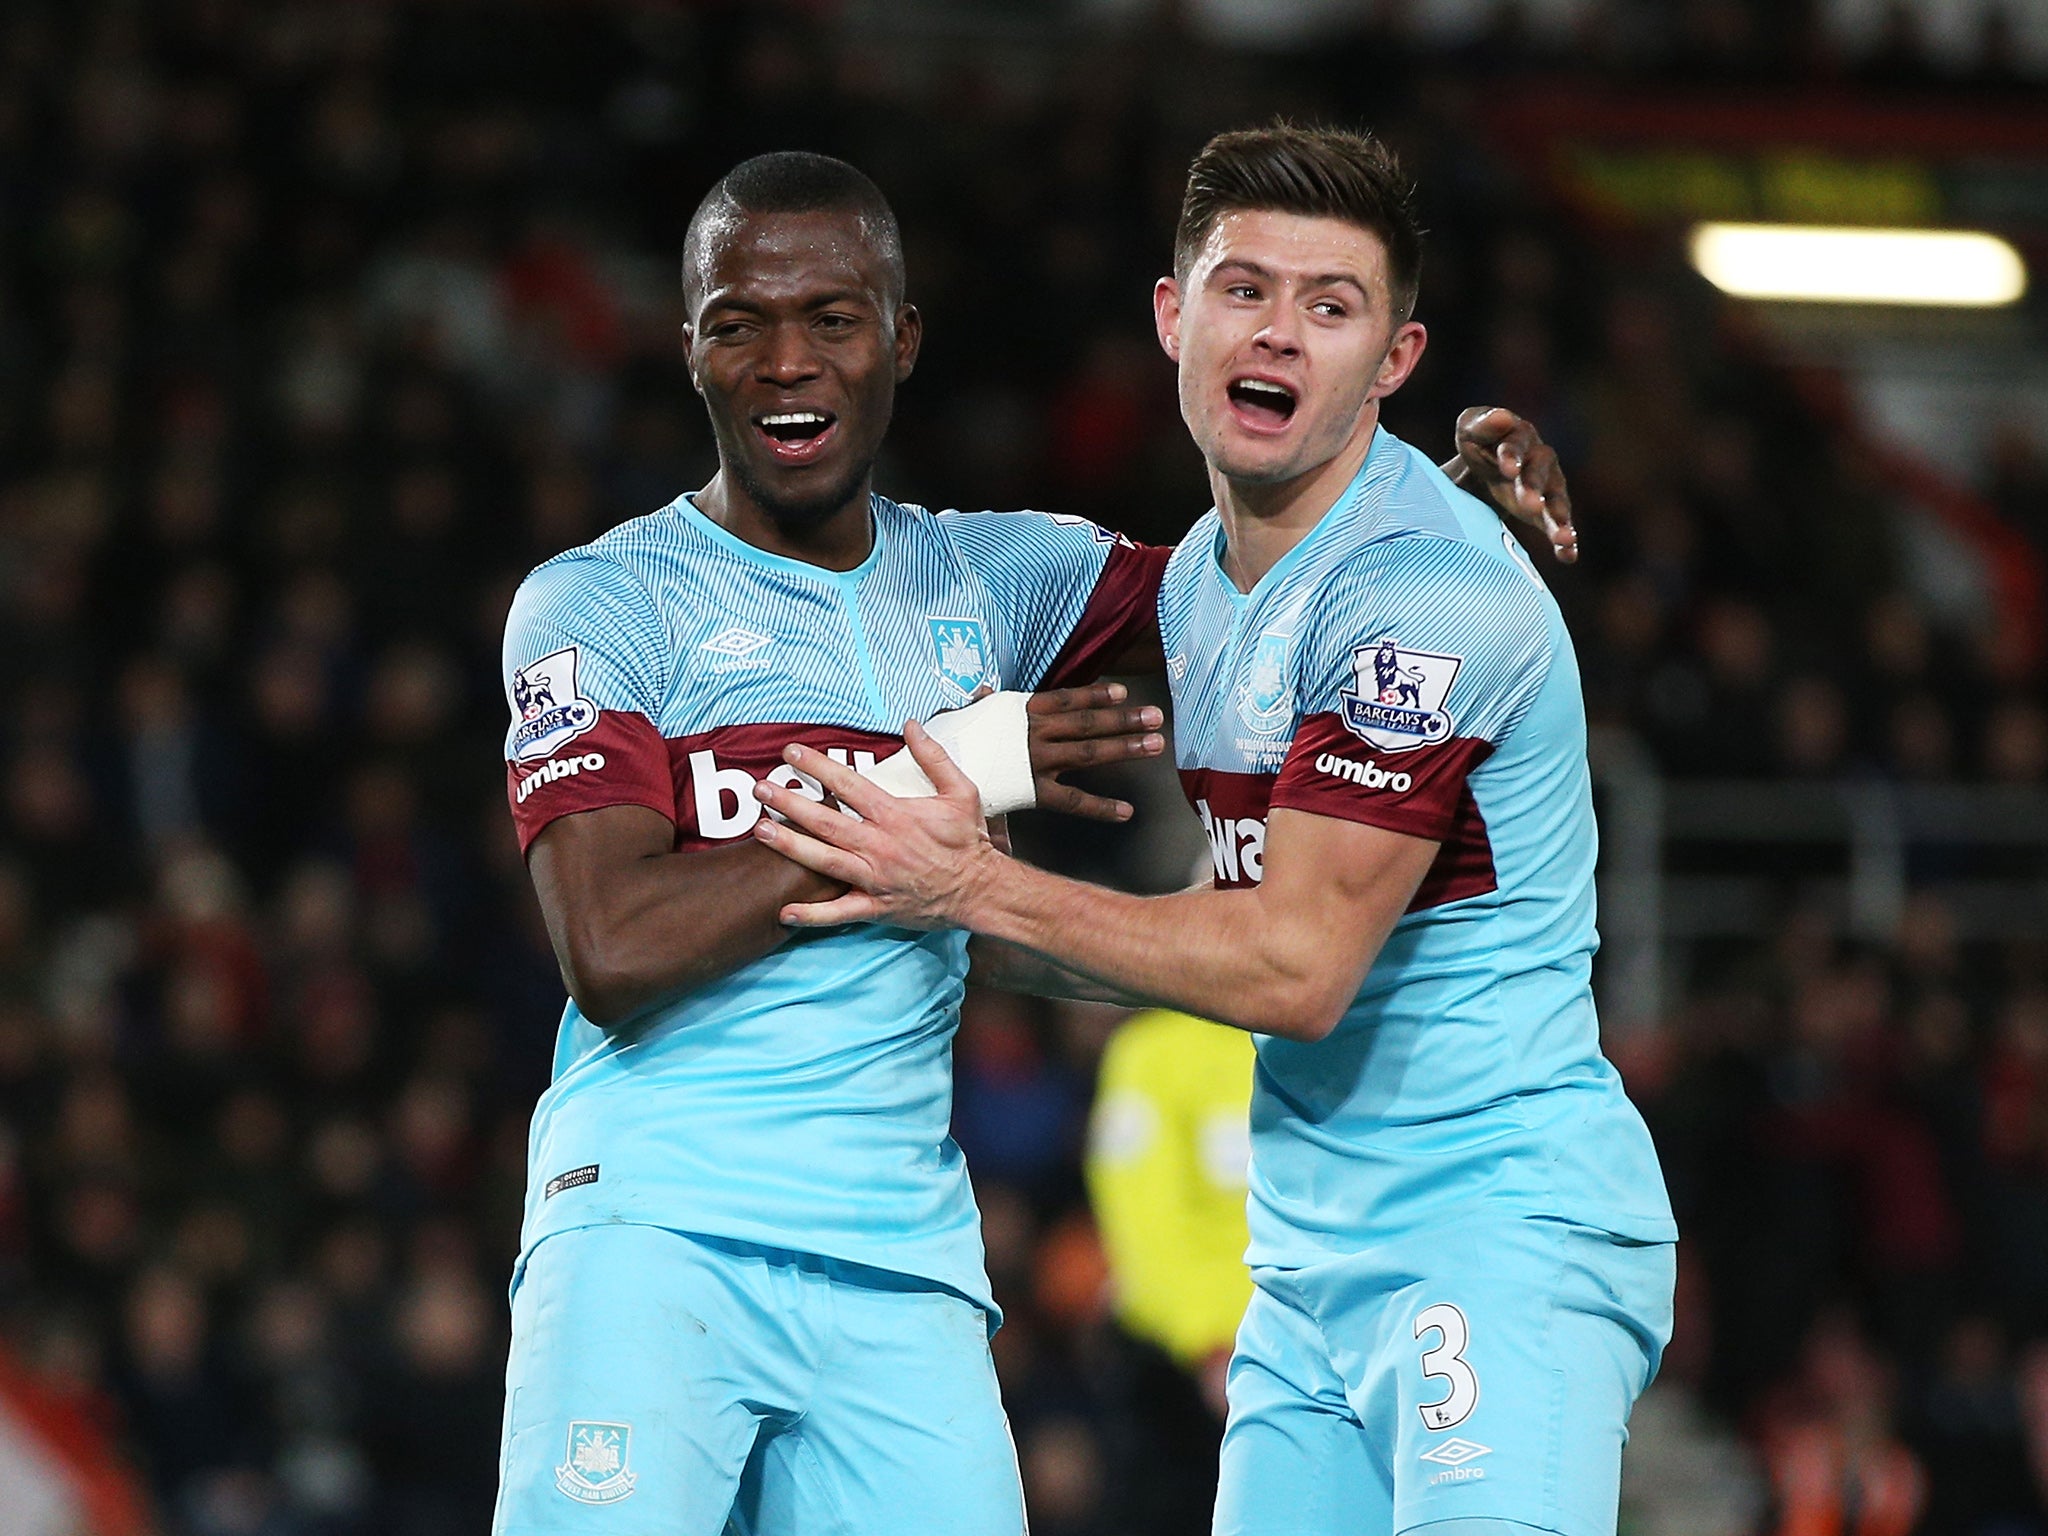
{"points": [[801, 515], [793, 515]]}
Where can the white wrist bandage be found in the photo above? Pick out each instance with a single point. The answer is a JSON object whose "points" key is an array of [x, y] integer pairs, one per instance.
{"points": [[989, 740]]}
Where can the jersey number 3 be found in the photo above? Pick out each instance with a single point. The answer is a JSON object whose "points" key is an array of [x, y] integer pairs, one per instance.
{"points": [[1446, 1363]]}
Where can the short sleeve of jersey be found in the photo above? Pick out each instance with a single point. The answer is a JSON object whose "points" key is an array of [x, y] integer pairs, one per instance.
{"points": [[586, 660], [1425, 656], [1075, 595]]}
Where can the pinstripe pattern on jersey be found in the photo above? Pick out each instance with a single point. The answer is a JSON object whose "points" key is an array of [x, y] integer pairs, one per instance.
{"points": [[648, 602], [1009, 551], [1386, 561], [1469, 1061], [802, 1101]]}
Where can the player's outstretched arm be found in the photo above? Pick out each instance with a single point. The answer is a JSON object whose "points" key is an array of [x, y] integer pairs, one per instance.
{"points": [[1089, 727], [1012, 968], [1284, 958], [1503, 460], [634, 922]]}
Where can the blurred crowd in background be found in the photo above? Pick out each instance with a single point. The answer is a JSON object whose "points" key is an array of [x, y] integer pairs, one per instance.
{"points": [[321, 323]]}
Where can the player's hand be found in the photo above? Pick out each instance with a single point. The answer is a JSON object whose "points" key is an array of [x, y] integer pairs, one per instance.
{"points": [[1086, 728], [911, 863], [1503, 459]]}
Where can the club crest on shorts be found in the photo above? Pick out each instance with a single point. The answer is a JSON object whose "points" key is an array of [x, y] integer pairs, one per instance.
{"points": [[1265, 700], [548, 710], [1396, 697], [597, 1471], [960, 648]]}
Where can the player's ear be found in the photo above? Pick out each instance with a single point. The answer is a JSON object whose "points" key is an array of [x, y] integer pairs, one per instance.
{"points": [[690, 355], [909, 338], [1403, 354], [1166, 315]]}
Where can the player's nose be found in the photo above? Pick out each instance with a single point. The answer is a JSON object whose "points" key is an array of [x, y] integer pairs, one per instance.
{"points": [[1281, 334], [787, 355]]}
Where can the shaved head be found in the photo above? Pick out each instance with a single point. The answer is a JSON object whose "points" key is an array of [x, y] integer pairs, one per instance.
{"points": [[790, 181]]}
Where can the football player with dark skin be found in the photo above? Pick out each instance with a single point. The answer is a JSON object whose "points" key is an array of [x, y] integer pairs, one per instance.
{"points": [[797, 338]]}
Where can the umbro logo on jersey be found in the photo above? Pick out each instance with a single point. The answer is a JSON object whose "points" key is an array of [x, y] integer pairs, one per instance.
{"points": [[559, 768], [1366, 775], [575, 1178], [735, 642]]}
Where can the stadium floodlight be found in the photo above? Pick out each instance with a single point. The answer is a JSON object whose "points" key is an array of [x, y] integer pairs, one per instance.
{"points": [[1846, 265]]}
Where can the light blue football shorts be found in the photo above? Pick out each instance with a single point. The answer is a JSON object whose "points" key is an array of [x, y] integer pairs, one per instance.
{"points": [[1461, 1381], [664, 1384]]}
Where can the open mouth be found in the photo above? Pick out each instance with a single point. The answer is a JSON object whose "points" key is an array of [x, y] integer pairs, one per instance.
{"points": [[795, 436], [1262, 404]]}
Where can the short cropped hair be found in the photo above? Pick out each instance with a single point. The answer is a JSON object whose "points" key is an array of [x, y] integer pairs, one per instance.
{"points": [[794, 181], [1318, 172]]}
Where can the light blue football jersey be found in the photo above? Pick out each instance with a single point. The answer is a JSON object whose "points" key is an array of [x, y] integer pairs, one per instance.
{"points": [[803, 1102], [1404, 666]]}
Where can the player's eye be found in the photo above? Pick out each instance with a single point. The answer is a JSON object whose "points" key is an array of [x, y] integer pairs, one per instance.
{"points": [[1243, 291], [836, 323], [1329, 309]]}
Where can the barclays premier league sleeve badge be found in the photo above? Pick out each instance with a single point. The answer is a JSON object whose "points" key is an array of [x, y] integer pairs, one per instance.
{"points": [[549, 711], [1396, 697]]}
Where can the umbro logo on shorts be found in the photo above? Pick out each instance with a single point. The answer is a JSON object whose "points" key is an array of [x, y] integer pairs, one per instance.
{"points": [[1453, 1456], [1455, 1452]]}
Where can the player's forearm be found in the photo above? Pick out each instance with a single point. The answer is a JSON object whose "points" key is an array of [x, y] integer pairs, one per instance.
{"points": [[674, 922], [1223, 955], [1007, 968]]}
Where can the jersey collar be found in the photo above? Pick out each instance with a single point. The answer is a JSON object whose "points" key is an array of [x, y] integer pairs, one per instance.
{"points": [[720, 535]]}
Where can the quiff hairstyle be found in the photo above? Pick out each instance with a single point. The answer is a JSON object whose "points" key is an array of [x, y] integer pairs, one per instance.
{"points": [[1327, 173], [792, 181]]}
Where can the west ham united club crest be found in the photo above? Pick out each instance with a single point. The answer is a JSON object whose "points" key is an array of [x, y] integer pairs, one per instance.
{"points": [[961, 649], [548, 708], [597, 1471], [1265, 700], [1396, 697]]}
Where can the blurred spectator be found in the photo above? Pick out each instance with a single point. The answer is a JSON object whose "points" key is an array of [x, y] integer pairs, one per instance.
{"points": [[1836, 1465], [1972, 1440], [175, 1386], [320, 323]]}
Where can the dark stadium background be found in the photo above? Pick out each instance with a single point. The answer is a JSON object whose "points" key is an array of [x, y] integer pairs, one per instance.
{"points": [[320, 323]]}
